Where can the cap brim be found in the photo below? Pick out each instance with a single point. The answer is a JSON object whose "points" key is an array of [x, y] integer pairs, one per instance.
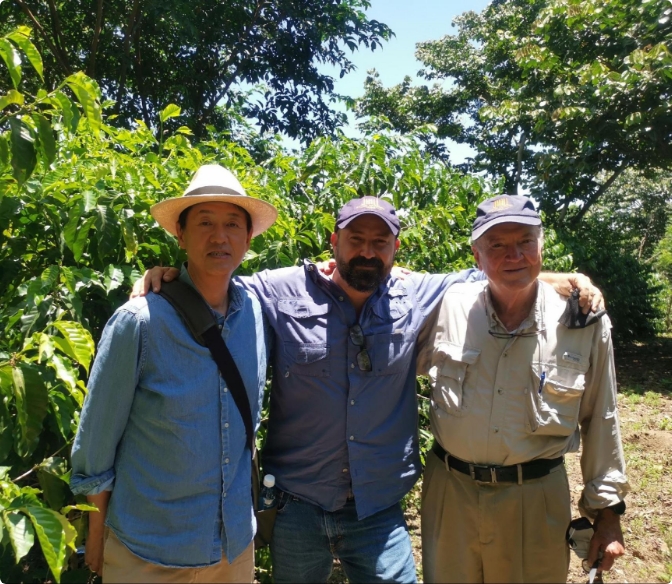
{"points": [[506, 219], [395, 230], [167, 212]]}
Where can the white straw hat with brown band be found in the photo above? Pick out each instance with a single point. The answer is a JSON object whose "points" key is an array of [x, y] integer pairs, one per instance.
{"points": [[213, 183]]}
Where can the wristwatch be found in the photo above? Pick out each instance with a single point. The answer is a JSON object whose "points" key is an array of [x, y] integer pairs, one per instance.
{"points": [[618, 508]]}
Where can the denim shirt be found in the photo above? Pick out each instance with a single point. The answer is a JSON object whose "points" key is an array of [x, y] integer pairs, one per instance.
{"points": [[333, 427], [160, 429]]}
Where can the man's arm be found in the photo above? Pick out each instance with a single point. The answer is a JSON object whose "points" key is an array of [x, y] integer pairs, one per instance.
{"points": [[590, 297], [602, 461], [95, 539], [111, 389]]}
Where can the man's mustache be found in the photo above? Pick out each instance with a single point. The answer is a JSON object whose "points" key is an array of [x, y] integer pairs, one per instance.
{"points": [[366, 263]]}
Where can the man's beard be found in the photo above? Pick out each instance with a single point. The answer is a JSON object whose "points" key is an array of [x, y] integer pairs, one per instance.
{"points": [[363, 279]]}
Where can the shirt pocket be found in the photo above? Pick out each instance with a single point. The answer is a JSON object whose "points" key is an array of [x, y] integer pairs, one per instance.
{"points": [[392, 345], [390, 353], [304, 349], [305, 359], [553, 407], [448, 375]]}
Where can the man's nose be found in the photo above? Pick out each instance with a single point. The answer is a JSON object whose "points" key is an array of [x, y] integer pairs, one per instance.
{"points": [[514, 252], [367, 250], [219, 234]]}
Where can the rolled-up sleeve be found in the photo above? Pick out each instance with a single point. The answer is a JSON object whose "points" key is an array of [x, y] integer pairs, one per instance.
{"points": [[111, 388], [602, 461]]}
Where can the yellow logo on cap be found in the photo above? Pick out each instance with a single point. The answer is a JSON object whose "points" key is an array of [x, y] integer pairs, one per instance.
{"points": [[501, 204], [370, 203]]}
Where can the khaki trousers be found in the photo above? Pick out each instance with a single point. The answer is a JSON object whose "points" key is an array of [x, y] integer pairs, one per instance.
{"points": [[505, 532], [121, 565]]}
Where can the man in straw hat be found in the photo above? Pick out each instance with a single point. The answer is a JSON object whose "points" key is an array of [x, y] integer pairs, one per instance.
{"points": [[342, 437], [518, 381], [161, 448]]}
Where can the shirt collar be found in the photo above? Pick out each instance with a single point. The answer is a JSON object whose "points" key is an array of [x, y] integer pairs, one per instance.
{"points": [[534, 319], [235, 295]]}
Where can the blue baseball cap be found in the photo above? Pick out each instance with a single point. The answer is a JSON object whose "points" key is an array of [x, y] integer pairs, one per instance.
{"points": [[504, 209], [369, 206]]}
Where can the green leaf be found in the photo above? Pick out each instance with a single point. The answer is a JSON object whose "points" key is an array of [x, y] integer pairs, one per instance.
{"points": [[87, 95], [114, 278], [107, 229], [21, 533], [79, 342], [69, 111], [11, 97], [47, 140], [20, 37], [54, 477], [82, 238], [12, 59], [170, 111], [6, 431], [4, 151], [54, 534], [70, 231], [23, 150], [63, 369], [31, 404]]}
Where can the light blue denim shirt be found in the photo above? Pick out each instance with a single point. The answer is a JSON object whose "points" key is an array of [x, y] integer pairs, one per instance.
{"points": [[160, 429], [333, 427]]}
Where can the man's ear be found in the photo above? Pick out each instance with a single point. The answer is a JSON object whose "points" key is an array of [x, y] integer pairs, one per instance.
{"points": [[477, 256], [397, 243], [334, 239], [180, 235]]}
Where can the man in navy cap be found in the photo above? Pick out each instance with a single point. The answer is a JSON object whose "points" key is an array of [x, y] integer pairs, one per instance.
{"points": [[342, 434], [517, 382]]}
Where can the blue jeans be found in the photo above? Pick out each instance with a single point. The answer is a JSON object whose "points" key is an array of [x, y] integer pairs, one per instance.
{"points": [[306, 539]]}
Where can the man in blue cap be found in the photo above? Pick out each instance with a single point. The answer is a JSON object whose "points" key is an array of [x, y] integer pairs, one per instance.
{"points": [[518, 380]]}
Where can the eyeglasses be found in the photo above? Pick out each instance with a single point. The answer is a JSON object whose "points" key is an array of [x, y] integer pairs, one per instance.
{"points": [[357, 338], [499, 335]]}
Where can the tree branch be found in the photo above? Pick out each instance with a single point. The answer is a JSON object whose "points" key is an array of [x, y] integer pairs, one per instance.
{"points": [[62, 63], [91, 69], [519, 164], [130, 27], [597, 194], [229, 60]]}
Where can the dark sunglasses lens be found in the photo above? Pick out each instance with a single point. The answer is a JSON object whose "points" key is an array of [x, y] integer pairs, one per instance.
{"points": [[357, 336], [363, 360]]}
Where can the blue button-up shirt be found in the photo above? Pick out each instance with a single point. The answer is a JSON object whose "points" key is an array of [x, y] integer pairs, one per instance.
{"points": [[333, 427], [160, 429]]}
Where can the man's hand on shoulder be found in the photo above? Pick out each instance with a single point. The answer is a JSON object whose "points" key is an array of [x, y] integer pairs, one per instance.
{"points": [[608, 539], [590, 297], [152, 279]]}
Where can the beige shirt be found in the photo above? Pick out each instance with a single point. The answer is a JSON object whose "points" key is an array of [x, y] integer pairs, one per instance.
{"points": [[508, 401]]}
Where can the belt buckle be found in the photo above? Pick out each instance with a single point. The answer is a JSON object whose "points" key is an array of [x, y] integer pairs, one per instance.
{"points": [[488, 469]]}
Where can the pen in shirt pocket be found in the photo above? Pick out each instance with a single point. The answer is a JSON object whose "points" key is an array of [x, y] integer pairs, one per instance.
{"points": [[541, 381]]}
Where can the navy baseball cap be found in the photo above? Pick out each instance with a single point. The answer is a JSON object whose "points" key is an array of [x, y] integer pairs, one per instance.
{"points": [[504, 209], [369, 206]]}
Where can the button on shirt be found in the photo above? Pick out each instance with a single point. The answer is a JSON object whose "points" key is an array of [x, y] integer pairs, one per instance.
{"points": [[160, 429], [332, 426], [499, 401]]}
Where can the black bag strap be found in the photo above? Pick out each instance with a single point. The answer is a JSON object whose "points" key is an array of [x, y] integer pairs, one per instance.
{"points": [[200, 321]]}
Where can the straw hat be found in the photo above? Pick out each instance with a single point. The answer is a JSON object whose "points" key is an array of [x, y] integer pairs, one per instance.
{"points": [[213, 183]]}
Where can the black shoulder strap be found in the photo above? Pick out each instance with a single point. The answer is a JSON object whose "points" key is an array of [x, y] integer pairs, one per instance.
{"points": [[198, 318]]}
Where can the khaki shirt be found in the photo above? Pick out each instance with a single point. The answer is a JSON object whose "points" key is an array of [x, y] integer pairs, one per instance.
{"points": [[490, 405]]}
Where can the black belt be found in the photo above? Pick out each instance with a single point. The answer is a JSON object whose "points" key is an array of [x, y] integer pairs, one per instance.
{"points": [[516, 473]]}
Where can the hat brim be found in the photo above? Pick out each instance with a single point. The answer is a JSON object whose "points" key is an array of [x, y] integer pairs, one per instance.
{"points": [[506, 219], [167, 212], [394, 229]]}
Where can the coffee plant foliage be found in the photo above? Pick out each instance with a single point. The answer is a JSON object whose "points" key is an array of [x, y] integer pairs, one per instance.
{"points": [[75, 232]]}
